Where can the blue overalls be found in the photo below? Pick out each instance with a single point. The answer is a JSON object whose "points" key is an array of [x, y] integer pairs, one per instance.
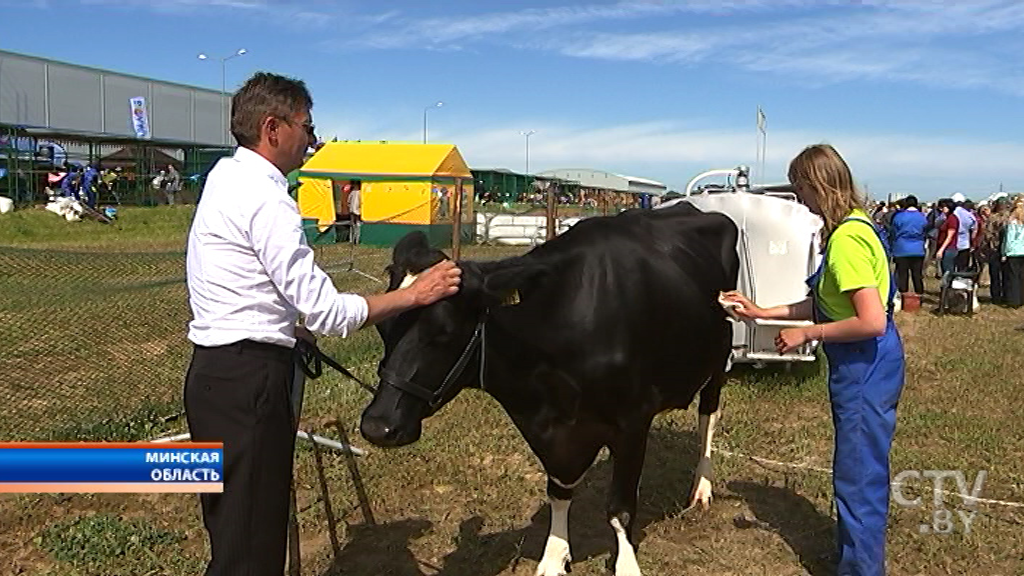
{"points": [[864, 384], [87, 193]]}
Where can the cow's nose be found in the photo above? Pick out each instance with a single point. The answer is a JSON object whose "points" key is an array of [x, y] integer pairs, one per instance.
{"points": [[376, 431]]}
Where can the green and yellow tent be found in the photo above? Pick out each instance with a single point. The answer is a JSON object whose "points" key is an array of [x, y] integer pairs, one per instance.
{"points": [[403, 186]]}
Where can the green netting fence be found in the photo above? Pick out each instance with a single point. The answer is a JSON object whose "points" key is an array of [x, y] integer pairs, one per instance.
{"points": [[93, 344]]}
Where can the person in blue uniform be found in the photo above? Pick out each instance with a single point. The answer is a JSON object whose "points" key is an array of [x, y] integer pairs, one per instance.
{"points": [[70, 185], [89, 181], [851, 303]]}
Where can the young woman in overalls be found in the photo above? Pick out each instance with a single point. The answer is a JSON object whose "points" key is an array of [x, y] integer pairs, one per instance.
{"points": [[851, 304]]}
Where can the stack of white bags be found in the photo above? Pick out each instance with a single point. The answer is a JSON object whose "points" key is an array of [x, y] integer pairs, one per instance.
{"points": [[68, 208]]}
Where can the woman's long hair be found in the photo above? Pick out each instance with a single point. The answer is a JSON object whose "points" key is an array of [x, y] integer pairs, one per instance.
{"points": [[1017, 213], [825, 184]]}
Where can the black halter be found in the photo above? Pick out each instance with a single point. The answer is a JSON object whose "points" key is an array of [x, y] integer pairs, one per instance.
{"points": [[433, 398]]}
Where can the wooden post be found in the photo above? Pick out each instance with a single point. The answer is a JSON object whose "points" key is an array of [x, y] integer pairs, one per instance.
{"points": [[551, 210], [457, 220]]}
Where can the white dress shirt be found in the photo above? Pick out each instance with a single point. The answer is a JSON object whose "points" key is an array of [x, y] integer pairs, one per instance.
{"points": [[250, 271]]}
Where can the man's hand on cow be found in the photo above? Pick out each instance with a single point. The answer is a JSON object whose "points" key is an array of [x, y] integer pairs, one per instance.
{"points": [[439, 281], [790, 339], [746, 309]]}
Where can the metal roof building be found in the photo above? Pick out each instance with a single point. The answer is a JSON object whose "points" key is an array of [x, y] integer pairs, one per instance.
{"points": [[609, 181], [61, 97]]}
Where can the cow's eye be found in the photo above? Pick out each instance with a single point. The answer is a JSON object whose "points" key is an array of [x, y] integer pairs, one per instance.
{"points": [[442, 336]]}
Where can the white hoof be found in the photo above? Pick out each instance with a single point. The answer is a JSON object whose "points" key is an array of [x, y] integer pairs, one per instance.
{"points": [[702, 494], [556, 551], [702, 484], [553, 564], [625, 561], [625, 565]]}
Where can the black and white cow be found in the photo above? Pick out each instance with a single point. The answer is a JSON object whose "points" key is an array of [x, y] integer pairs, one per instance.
{"points": [[583, 340]]}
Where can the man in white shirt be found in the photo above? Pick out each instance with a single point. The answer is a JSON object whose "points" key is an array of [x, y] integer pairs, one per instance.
{"points": [[250, 276]]}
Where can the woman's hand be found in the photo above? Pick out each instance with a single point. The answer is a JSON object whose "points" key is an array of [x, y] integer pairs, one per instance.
{"points": [[743, 307], [790, 339]]}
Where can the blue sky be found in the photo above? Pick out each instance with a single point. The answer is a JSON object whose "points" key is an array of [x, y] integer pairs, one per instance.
{"points": [[920, 96]]}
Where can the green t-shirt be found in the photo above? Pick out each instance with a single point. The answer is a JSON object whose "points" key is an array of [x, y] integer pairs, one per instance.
{"points": [[855, 259]]}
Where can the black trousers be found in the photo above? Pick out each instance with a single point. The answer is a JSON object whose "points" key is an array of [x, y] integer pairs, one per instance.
{"points": [[996, 275], [1014, 281], [239, 394], [912, 266], [963, 261]]}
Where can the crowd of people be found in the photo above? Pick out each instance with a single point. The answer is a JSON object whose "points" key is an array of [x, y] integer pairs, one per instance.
{"points": [[957, 235], [90, 185]]}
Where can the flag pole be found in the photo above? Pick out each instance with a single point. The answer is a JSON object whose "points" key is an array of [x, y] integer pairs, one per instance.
{"points": [[757, 139], [764, 150], [762, 144]]}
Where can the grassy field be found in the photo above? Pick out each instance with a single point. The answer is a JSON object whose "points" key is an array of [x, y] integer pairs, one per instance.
{"points": [[92, 346]]}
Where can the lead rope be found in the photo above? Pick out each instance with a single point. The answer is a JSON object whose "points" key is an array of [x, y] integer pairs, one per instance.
{"points": [[483, 348]]}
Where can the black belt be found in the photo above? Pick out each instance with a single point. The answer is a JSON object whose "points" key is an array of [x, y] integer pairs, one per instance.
{"points": [[252, 346]]}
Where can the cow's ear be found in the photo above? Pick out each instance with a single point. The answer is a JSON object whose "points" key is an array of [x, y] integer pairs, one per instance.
{"points": [[409, 249], [506, 284], [413, 254], [411, 242]]}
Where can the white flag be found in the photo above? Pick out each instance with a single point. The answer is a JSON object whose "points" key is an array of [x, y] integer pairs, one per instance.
{"points": [[139, 117], [761, 119]]}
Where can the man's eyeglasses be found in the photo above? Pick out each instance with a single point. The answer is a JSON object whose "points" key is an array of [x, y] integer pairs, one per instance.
{"points": [[309, 126]]}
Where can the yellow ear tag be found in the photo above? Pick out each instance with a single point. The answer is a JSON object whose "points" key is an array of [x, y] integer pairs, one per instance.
{"points": [[512, 299]]}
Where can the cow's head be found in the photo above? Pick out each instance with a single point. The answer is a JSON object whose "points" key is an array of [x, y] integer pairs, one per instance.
{"points": [[433, 352]]}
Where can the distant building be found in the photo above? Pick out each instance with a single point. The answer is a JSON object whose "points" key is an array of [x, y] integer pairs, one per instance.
{"points": [[63, 97]]}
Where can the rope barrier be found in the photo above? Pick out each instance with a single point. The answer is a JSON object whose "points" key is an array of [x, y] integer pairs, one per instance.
{"points": [[768, 461]]}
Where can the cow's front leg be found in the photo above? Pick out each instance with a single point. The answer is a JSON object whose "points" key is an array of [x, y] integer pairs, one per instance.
{"points": [[567, 458], [556, 552], [707, 416], [628, 455]]}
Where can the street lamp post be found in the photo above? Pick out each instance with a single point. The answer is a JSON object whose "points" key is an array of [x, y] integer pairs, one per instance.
{"points": [[224, 89], [425, 110], [528, 134]]}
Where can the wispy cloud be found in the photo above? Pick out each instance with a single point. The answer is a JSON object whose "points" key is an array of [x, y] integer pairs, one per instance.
{"points": [[293, 13], [447, 30], [890, 40], [184, 5], [673, 153], [380, 18]]}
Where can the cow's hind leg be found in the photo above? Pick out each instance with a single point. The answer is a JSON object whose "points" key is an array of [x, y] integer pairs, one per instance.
{"points": [[707, 416], [628, 455]]}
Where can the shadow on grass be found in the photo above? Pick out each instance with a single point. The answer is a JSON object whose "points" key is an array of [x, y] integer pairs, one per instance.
{"points": [[668, 474], [380, 549], [808, 532]]}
